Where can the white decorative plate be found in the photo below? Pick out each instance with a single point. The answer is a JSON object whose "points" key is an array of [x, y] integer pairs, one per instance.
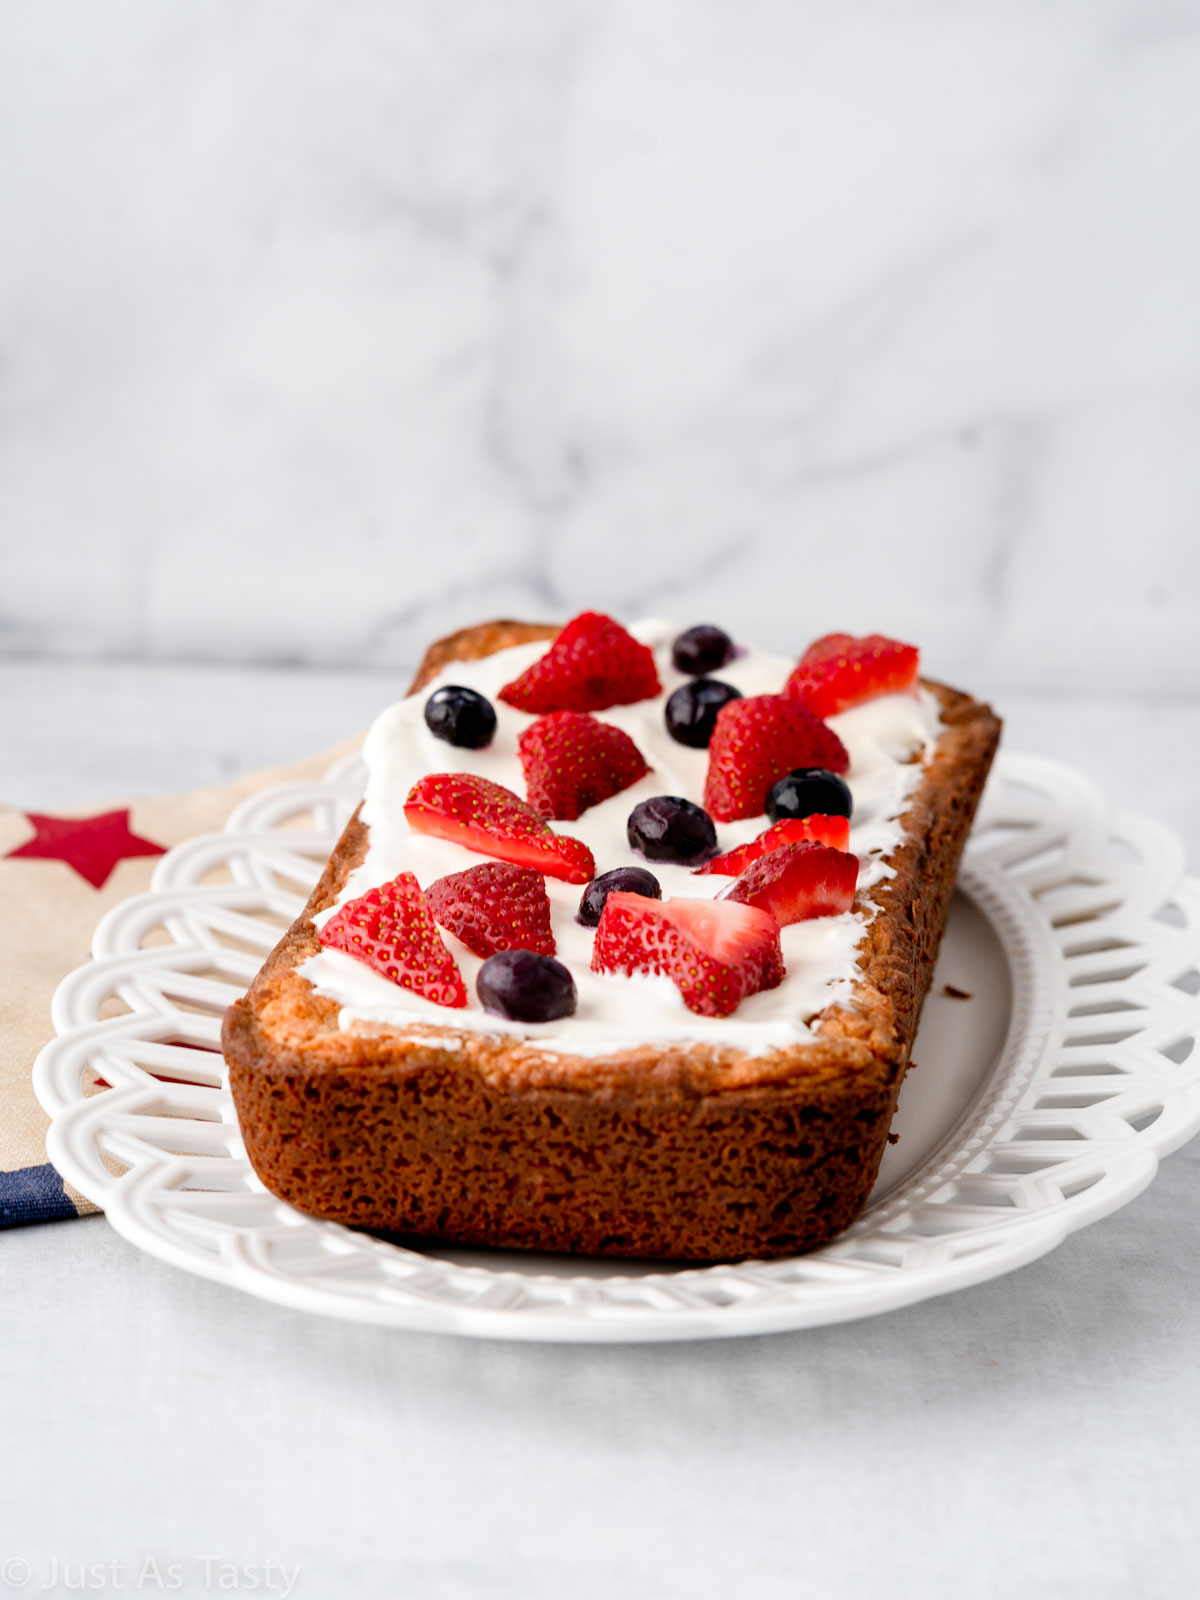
{"points": [[1040, 1103]]}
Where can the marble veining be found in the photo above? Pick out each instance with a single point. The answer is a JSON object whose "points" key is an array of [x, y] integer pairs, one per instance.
{"points": [[324, 329]]}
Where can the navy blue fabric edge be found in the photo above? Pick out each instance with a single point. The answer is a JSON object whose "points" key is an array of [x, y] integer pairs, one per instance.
{"points": [[33, 1194]]}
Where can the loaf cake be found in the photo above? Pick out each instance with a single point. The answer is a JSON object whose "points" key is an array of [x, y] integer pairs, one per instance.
{"points": [[730, 1102]]}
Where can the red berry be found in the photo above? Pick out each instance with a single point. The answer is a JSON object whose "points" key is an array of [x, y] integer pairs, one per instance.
{"points": [[485, 817], [756, 742], [840, 671], [715, 952], [571, 761], [391, 929], [834, 831], [493, 907], [798, 881], [594, 662]]}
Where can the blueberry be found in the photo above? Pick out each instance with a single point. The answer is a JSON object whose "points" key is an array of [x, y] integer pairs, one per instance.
{"points": [[702, 649], [631, 880], [669, 828], [461, 717], [692, 710], [525, 987], [808, 792]]}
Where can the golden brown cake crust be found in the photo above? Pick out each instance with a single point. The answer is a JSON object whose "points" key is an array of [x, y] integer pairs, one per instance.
{"points": [[693, 1152]]}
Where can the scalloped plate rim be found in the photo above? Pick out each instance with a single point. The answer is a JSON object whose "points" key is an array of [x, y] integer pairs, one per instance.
{"points": [[1029, 1237]]}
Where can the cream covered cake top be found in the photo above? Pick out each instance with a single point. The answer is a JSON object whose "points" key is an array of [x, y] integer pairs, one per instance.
{"points": [[887, 739]]}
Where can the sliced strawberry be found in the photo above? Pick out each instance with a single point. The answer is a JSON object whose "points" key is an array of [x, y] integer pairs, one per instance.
{"points": [[391, 929], [798, 881], [715, 952], [755, 743], [833, 831], [594, 662], [840, 671], [493, 907], [485, 817], [572, 761]]}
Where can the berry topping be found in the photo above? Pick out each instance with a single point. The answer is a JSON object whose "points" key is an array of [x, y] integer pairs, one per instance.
{"points": [[833, 831], [840, 671], [461, 717], [806, 790], [669, 828], [594, 662], [571, 761], [494, 906], [391, 929], [525, 987], [629, 880], [692, 710], [715, 952], [485, 817], [756, 741], [702, 649], [798, 881]]}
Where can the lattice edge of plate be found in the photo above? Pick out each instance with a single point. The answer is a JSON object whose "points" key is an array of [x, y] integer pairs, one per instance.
{"points": [[1100, 1078]]}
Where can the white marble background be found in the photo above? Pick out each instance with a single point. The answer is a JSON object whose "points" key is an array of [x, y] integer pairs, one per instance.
{"points": [[327, 327]]}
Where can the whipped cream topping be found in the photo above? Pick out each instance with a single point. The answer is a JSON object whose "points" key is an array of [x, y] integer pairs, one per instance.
{"points": [[887, 739]]}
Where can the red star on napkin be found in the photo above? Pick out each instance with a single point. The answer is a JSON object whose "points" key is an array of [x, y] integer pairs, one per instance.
{"points": [[92, 845]]}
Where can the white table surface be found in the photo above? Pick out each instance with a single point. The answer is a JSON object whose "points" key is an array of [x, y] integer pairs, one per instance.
{"points": [[1037, 1436]]}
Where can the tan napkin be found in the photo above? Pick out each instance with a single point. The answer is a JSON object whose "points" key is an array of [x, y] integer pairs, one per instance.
{"points": [[58, 876]]}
